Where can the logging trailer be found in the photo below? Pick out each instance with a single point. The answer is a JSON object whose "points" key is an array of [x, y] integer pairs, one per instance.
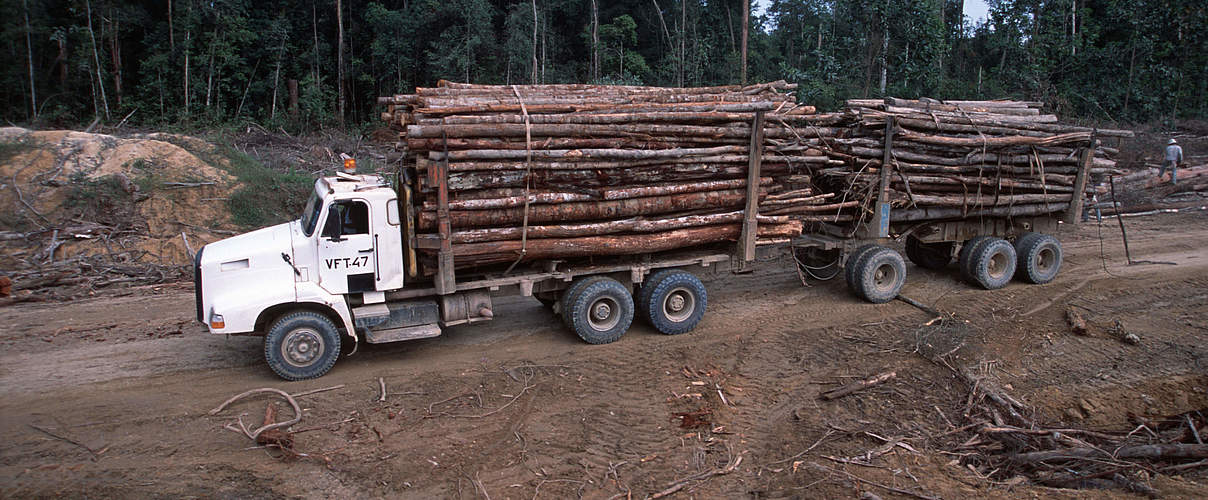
{"points": [[346, 269]]}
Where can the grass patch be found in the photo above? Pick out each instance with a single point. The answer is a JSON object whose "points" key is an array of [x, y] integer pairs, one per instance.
{"points": [[266, 196]]}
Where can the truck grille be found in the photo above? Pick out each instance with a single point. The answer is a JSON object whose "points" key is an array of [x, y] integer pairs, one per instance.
{"points": [[197, 284]]}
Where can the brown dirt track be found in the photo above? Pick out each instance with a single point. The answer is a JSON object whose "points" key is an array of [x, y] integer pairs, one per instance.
{"points": [[132, 377]]}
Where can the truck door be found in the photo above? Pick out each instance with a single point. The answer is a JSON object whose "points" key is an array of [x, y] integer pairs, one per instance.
{"points": [[347, 257]]}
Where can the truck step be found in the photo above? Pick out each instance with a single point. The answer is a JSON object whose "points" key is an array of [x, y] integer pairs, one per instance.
{"points": [[394, 315], [400, 334]]}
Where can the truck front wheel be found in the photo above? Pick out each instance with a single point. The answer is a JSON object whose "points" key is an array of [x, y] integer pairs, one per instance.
{"points": [[302, 345]]}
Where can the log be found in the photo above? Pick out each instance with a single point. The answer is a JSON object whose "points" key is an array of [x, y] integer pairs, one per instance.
{"points": [[619, 244], [858, 385], [595, 210], [1017, 140], [943, 213], [598, 118], [631, 225], [454, 144], [663, 189], [983, 200], [814, 208], [586, 154], [595, 178]]}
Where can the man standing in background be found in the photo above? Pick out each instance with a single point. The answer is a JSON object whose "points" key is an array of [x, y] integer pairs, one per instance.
{"points": [[1174, 156]]}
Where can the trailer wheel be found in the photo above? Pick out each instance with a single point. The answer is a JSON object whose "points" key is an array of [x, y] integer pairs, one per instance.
{"points": [[993, 263], [673, 301], [934, 256], [965, 258], [302, 345], [601, 311], [879, 275], [1039, 258], [853, 260]]}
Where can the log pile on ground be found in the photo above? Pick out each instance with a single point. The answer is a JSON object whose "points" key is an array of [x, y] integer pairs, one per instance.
{"points": [[553, 171], [965, 158]]}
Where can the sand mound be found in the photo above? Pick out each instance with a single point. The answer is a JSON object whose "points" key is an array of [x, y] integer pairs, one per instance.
{"points": [[88, 195]]}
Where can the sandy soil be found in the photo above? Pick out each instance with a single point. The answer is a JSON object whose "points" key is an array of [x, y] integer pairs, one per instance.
{"points": [[520, 408]]}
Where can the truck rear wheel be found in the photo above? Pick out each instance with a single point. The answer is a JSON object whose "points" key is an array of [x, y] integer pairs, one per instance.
{"points": [[1039, 258], [993, 263], [934, 256], [965, 258], [302, 345], [600, 311], [568, 296], [879, 275], [672, 301]]}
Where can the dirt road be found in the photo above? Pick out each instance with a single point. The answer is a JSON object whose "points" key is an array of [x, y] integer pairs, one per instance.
{"points": [[108, 397]]}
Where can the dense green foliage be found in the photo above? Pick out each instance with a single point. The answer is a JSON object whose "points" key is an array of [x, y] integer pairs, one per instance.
{"points": [[199, 63]]}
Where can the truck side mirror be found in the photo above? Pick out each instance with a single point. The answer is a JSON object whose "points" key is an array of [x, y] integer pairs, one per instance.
{"points": [[332, 228]]}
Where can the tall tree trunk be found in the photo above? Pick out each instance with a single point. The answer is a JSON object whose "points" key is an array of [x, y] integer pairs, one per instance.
{"points": [[246, 88], [683, 36], [533, 74], [314, 25], [188, 36], [746, 27], [61, 62], [1073, 27], [1132, 60], [666, 33], [29, 52], [171, 33], [884, 58], [340, 59], [292, 86], [96, 58], [595, 39], [210, 73], [730, 29], [277, 77], [115, 51]]}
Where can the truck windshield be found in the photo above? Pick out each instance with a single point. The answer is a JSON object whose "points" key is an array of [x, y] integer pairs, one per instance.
{"points": [[310, 215]]}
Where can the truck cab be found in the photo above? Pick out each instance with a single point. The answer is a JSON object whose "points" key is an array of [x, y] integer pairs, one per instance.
{"points": [[298, 282]]}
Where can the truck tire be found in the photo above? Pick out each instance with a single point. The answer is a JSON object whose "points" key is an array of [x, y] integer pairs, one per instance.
{"points": [[933, 256], [601, 311], [1039, 258], [641, 299], [965, 258], [849, 267], [879, 275], [302, 345], [993, 263], [672, 301], [569, 294]]}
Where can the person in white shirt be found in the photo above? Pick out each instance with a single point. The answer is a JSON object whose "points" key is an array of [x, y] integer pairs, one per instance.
{"points": [[1174, 156]]}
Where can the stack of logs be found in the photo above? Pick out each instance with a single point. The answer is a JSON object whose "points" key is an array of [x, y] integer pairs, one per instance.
{"points": [[965, 158], [558, 171], [555, 171]]}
